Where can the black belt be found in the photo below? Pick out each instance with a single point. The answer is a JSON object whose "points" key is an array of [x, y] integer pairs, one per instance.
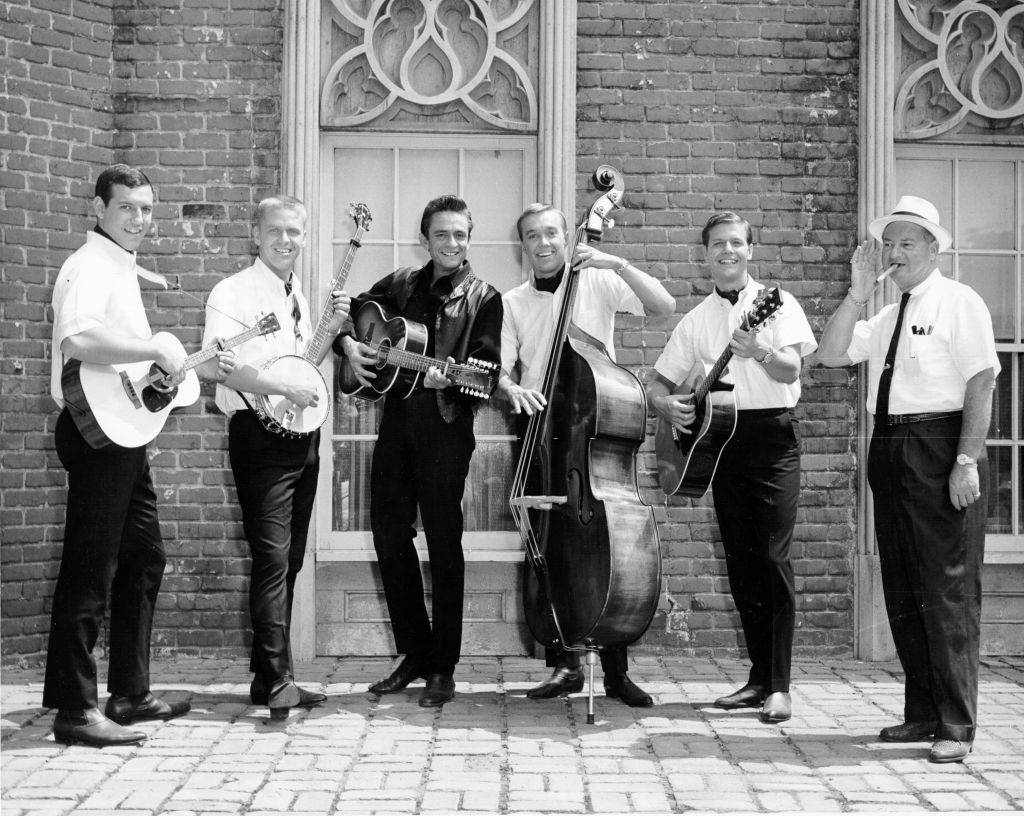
{"points": [[907, 419], [762, 412]]}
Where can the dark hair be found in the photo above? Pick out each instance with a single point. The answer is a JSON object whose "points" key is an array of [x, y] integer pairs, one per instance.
{"points": [[536, 209], [445, 203], [724, 218], [122, 174]]}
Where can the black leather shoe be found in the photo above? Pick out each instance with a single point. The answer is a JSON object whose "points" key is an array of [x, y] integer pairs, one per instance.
{"points": [[282, 697], [622, 688], [439, 690], [778, 707], [750, 696], [908, 732], [124, 710], [90, 727], [259, 695], [563, 680], [411, 668], [946, 750]]}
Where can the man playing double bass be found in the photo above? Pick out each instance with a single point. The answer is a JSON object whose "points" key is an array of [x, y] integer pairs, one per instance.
{"points": [[608, 284]]}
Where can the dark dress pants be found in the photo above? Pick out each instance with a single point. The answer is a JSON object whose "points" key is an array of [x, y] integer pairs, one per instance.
{"points": [[112, 550], [421, 461], [931, 556], [275, 477], [756, 489]]}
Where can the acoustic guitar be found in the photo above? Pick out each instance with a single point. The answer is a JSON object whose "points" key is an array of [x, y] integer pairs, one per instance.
{"points": [[126, 404], [687, 462], [398, 344]]}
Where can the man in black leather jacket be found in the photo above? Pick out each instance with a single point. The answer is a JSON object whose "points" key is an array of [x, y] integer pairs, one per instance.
{"points": [[424, 444]]}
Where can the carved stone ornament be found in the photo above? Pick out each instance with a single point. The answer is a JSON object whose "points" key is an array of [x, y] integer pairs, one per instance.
{"points": [[962, 68], [419, 64]]}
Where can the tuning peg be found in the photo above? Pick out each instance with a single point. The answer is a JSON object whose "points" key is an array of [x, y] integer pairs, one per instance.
{"points": [[609, 222]]}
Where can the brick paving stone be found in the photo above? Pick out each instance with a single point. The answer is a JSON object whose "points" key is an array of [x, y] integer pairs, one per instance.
{"points": [[487, 754]]}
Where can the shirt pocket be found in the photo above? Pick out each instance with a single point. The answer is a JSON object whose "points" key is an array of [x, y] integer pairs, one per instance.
{"points": [[928, 355]]}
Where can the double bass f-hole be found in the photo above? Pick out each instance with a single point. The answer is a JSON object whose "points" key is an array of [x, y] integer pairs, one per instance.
{"points": [[578, 498]]}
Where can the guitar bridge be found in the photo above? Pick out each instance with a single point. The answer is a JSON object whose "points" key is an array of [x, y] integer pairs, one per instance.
{"points": [[539, 502], [129, 389]]}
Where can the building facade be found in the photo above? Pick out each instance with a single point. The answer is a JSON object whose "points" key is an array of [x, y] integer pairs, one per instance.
{"points": [[808, 117]]}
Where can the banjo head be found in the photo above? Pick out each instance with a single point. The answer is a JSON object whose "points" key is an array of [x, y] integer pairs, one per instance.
{"points": [[281, 414]]}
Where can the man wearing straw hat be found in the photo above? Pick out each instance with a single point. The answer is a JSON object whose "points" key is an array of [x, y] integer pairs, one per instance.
{"points": [[931, 370]]}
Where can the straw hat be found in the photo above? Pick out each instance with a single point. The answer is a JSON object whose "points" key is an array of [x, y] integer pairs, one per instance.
{"points": [[916, 211]]}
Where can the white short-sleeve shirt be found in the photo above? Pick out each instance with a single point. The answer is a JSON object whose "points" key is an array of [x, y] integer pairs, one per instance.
{"points": [[237, 303], [946, 339], [97, 287], [704, 333], [531, 314]]}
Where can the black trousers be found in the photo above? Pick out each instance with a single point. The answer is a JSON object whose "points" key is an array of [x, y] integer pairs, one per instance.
{"points": [[112, 551], [275, 477], [755, 490], [421, 461], [931, 556]]}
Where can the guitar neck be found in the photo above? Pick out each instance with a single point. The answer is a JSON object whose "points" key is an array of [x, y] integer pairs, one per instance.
{"points": [[419, 362], [319, 338], [201, 357], [704, 386]]}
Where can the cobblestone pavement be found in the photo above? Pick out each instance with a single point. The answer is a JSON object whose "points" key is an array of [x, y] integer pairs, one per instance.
{"points": [[492, 750]]}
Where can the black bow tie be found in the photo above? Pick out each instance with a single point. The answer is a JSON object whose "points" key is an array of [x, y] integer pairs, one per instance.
{"points": [[732, 297]]}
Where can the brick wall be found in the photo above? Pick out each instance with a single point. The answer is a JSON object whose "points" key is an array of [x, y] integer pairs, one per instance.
{"points": [[190, 92], [703, 106], [748, 106], [57, 112]]}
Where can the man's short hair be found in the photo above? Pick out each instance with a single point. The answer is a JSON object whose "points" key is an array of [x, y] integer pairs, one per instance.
{"points": [[535, 209], [123, 174], [445, 203], [725, 218], [278, 202]]}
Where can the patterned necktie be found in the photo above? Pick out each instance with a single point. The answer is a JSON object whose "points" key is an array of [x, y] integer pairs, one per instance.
{"points": [[296, 312], [885, 381]]}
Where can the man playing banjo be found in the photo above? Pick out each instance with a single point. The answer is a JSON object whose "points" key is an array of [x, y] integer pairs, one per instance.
{"points": [[275, 473]]}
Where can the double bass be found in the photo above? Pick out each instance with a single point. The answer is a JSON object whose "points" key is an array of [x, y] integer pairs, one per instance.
{"points": [[590, 540]]}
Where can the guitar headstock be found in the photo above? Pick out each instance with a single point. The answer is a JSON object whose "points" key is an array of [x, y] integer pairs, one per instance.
{"points": [[361, 215], [477, 378], [609, 181], [764, 307], [268, 324]]}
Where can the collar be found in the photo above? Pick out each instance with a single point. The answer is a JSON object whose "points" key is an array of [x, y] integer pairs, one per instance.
{"points": [[271, 277], [101, 242], [460, 279], [558, 277], [927, 283], [743, 297]]}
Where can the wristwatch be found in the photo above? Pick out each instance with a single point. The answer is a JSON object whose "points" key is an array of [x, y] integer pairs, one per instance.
{"points": [[767, 357], [964, 459]]}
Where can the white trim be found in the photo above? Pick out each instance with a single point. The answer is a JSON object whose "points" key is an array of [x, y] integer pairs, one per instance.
{"points": [[1004, 549]]}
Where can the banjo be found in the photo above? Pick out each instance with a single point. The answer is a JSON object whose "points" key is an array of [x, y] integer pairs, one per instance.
{"points": [[278, 413]]}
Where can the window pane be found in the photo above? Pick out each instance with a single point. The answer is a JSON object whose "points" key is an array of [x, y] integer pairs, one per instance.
{"points": [[1002, 401], [485, 502], [494, 189], [993, 277], [355, 416], [931, 179], [500, 266], [987, 214], [350, 506], [365, 175], [423, 175], [1000, 494], [369, 265]]}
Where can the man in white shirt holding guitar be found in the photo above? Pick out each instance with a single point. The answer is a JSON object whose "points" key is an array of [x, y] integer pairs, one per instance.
{"points": [[274, 444], [757, 482], [112, 545]]}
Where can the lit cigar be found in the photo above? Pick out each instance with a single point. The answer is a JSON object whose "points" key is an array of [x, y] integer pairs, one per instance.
{"points": [[886, 273]]}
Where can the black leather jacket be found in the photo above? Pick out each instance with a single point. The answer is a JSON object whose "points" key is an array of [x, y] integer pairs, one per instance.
{"points": [[468, 323]]}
